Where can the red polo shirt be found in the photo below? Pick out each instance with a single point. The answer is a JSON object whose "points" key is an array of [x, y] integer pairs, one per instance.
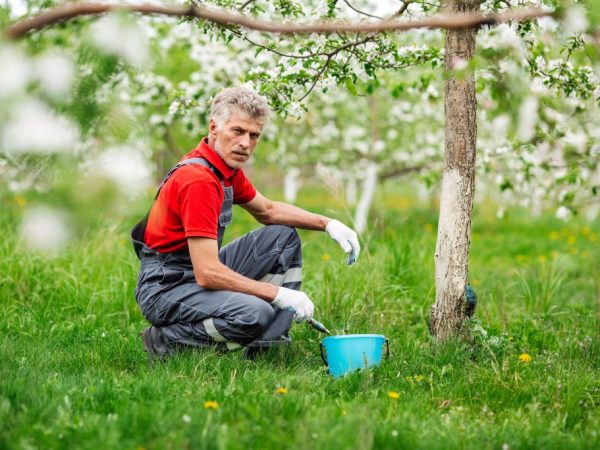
{"points": [[189, 203]]}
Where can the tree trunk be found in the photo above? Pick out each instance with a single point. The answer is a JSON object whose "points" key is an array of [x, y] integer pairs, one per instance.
{"points": [[458, 181], [291, 184], [366, 199], [371, 173]]}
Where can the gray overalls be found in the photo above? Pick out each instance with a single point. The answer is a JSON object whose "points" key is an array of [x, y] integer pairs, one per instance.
{"points": [[188, 315]]}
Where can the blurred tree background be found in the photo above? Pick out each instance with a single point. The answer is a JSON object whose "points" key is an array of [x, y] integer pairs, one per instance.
{"points": [[94, 110]]}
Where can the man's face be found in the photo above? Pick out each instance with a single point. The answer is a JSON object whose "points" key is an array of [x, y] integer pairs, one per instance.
{"points": [[234, 141]]}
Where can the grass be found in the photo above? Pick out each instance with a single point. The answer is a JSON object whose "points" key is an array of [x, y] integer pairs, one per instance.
{"points": [[74, 375]]}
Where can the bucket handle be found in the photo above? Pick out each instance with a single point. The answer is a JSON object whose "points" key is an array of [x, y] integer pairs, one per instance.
{"points": [[323, 355], [387, 346]]}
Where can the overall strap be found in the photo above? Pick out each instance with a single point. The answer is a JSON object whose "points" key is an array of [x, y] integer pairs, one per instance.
{"points": [[185, 162], [138, 231]]}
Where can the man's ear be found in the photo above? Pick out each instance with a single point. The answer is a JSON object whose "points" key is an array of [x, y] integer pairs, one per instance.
{"points": [[212, 127]]}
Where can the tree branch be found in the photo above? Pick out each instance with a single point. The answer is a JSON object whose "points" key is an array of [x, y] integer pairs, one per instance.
{"points": [[448, 21], [400, 171]]}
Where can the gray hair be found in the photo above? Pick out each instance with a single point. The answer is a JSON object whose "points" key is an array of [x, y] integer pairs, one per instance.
{"points": [[239, 100]]}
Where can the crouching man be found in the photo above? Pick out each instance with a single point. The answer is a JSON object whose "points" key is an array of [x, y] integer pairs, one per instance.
{"points": [[246, 294]]}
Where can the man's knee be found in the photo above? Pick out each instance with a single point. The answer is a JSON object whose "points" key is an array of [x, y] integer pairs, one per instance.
{"points": [[284, 232], [255, 319]]}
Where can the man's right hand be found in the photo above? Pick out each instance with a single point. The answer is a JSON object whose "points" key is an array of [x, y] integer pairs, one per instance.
{"points": [[296, 300]]}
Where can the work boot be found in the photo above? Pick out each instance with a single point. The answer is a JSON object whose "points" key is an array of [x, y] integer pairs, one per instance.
{"points": [[260, 346], [153, 344]]}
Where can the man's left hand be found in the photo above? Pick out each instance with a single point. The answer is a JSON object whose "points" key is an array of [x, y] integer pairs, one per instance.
{"points": [[346, 237]]}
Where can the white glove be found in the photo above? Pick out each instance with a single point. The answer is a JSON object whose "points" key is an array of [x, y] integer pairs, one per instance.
{"points": [[297, 301], [346, 237]]}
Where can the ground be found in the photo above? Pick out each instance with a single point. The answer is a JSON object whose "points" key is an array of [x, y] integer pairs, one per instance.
{"points": [[74, 375]]}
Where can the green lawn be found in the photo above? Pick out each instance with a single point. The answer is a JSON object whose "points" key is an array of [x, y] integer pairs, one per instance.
{"points": [[73, 373]]}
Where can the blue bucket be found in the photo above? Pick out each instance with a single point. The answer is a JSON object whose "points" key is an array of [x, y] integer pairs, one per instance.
{"points": [[343, 354]]}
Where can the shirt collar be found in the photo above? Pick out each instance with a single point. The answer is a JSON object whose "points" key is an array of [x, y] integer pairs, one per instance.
{"points": [[206, 151]]}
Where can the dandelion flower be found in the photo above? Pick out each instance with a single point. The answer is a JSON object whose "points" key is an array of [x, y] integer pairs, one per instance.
{"points": [[524, 357], [20, 201], [419, 378], [571, 240], [326, 257], [210, 404], [281, 390], [394, 395]]}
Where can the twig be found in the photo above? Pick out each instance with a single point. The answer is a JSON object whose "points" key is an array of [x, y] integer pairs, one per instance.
{"points": [[245, 4], [361, 12]]}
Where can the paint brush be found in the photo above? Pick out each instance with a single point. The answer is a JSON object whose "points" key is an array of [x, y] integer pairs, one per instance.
{"points": [[318, 326]]}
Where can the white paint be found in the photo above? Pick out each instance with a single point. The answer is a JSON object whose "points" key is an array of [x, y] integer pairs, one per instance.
{"points": [[366, 199], [528, 116], [291, 184], [452, 243], [351, 191]]}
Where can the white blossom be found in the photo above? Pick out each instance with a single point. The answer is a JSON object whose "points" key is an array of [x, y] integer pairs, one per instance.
{"points": [[15, 72], [36, 128], [563, 213], [114, 36], [45, 229], [126, 167], [575, 20], [55, 72]]}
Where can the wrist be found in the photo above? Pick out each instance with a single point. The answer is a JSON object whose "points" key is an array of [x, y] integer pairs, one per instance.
{"points": [[272, 292], [328, 223]]}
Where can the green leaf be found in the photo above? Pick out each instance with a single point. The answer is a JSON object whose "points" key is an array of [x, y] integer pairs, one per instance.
{"points": [[351, 87]]}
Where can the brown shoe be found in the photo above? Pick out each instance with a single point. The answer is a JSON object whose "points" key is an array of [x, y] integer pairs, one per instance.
{"points": [[153, 344]]}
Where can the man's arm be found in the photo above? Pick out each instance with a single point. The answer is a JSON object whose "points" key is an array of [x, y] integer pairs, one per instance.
{"points": [[278, 213], [211, 274]]}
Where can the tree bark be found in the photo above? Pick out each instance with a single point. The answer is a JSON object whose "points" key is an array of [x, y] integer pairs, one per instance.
{"points": [[458, 181]]}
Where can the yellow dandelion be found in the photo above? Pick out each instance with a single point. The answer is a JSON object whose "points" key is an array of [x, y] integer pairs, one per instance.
{"points": [[510, 338], [571, 240], [554, 236], [20, 201], [476, 282], [525, 358], [542, 258], [211, 404], [586, 230], [325, 257], [521, 258], [408, 378], [281, 390], [419, 378], [593, 237], [394, 395], [428, 227]]}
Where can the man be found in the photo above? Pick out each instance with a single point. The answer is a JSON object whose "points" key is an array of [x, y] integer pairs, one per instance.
{"points": [[192, 291]]}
